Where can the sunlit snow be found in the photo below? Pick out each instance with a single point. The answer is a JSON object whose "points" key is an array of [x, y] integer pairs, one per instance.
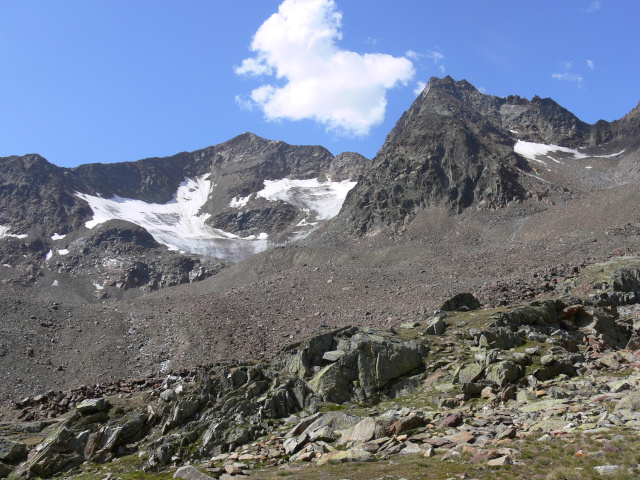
{"points": [[533, 151], [55, 236], [178, 223], [4, 232], [323, 198], [63, 251], [530, 150]]}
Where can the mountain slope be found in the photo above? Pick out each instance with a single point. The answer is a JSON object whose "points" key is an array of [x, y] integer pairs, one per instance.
{"points": [[458, 148], [226, 201]]}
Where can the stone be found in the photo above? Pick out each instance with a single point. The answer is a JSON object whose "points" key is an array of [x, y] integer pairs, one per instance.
{"points": [[436, 326], [324, 434], [470, 373], [189, 472], [630, 402], [411, 448], [364, 431], [503, 372], [462, 437], [500, 337], [461, 301], [291, 446], [357, 454], [168, 395], [303, 424], [452, 420], [93, 405], [333, 356], [499, 462], [607, 469], [11, 451], [232, 469]]}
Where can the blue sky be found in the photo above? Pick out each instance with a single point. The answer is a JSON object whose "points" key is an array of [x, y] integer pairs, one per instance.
{"points": [[109, 81]]}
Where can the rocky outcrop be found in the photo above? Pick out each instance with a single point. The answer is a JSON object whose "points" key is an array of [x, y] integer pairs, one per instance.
{"points": [[352, 363]]}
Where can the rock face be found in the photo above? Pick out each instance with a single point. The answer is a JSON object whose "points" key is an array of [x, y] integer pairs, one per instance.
{"points": [[454, 148]]}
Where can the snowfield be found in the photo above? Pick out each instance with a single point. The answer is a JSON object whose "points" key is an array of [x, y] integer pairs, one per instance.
{"points": [[180, 225]]}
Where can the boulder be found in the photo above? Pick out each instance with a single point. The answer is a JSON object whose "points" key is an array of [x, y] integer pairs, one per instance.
{"points": [[500, 337], [372, 360], [11, 451], [461, 301], [362, 432], [93, 405], [436, 326], [357, 454], [503, 372], [470, 373], [189, 472]]}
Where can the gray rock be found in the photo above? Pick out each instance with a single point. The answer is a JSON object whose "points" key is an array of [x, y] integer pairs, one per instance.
{"points": [[461, 301], [168, 395], [93, 405], [189, 472], [333, 356], [503, 372], [470, 373], [436, 326], [11, 451], [500, 337]]}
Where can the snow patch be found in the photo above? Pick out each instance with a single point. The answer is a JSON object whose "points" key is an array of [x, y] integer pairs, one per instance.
{"points": [[323, 198], [532, 150], [63, 251], [55, 283], [98, 286], [49, 255], [55, 237], [4, 232], [177, 224]]}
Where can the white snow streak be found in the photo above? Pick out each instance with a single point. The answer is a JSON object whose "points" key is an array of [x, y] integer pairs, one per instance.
{"points": [[55, 236]]}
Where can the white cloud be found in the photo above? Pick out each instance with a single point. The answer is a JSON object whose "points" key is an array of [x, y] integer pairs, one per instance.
{"points": [[567, 64], [569, 77], [593, 6], [419, 87], [433, 55], [590, 64], [343, 90]]}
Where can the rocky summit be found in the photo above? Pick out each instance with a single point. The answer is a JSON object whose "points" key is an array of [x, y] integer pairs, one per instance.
{"points": [[465, 305]]}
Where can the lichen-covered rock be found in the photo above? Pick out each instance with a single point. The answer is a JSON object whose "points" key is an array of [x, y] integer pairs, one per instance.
{"points": [[500, 337], [503, 372], [370, 362], [93, 405], [470, 373]]}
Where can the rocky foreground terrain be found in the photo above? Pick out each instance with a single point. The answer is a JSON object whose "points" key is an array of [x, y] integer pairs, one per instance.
{"points": [[345, 349], [546, 389]]}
